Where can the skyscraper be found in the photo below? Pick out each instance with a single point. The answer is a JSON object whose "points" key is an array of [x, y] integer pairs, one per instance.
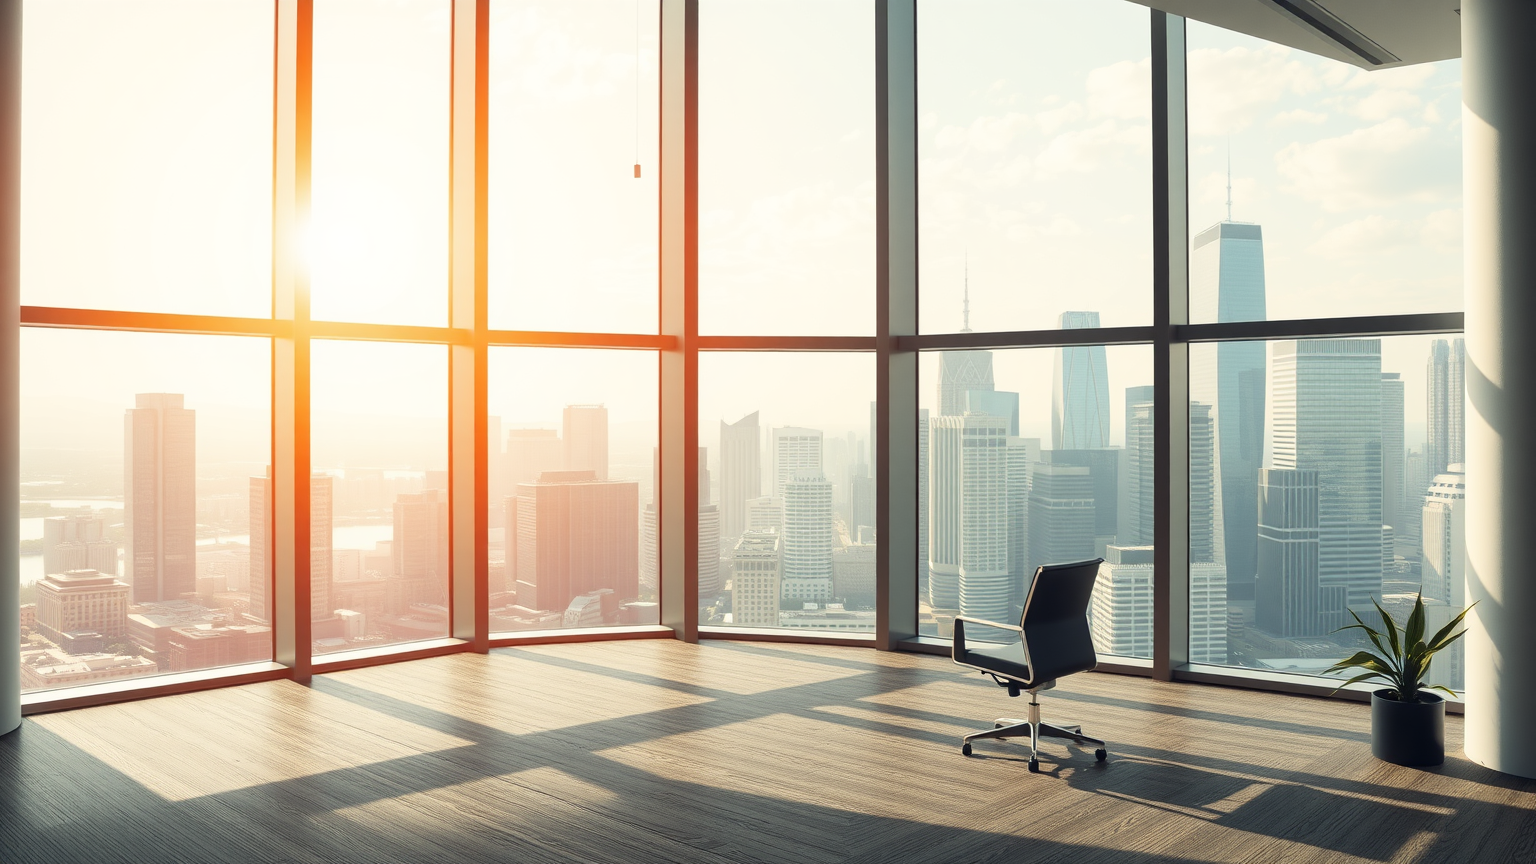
{"points": [[1286, 591], [321, 523], [1139, 519], [1021, 454], [795, 451], [1327, 418], [1445, 554], [160, 506], [740, 473], [531, 452], [1227, 284], [962, 371], [756, 586], [575, 534], [1445, 405], [709, 535], [420, 546], [1080, 391], [1393, 459], [585, 433], [1061, 518], [969, 524], [807, 536], [924, 505], [78, 543], [1206, 538]]}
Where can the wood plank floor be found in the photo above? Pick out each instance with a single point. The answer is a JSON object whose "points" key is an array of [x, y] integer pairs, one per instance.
{"points": [[729, 752]]}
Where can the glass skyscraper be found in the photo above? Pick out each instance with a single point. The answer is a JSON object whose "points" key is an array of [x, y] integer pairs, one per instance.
{"points": [[1227, 284], [1080, 391]]}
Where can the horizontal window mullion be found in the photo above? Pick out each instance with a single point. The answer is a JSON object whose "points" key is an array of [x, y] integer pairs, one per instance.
{"points": [[1322, 328], [564, 339], [786, 343], [1053, 338], [151, 322]]}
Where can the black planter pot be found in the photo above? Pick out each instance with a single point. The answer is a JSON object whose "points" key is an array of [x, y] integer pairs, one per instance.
{"points": [[1408, 733]]}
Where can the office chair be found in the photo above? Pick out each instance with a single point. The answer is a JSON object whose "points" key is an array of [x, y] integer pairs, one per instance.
{"points": [[1053, 641]]}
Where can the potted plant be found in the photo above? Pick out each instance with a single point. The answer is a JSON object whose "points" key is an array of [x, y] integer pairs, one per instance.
{"points": [[1407, 721]]}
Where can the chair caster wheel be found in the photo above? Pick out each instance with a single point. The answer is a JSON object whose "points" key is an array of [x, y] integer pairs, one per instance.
{"points": [[1034, 766], [965, 749], [1101, 754]]}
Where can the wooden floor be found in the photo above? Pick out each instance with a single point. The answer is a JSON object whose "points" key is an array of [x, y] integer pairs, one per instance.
{"points": [[657, 751]]}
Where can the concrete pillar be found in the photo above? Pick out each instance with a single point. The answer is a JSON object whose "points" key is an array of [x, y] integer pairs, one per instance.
{"points": [[10, 362], [1499, 153]]}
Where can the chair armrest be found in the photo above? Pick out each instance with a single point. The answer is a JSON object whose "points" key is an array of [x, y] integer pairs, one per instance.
{"points": [[1014, 627], [957, 643]]}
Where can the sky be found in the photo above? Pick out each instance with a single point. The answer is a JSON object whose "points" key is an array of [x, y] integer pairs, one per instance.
{"points": [[149, 188]]}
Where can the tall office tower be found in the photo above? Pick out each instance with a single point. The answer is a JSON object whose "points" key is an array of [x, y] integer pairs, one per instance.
{"points": [[420, 547], [923, 504], [585, 434], [1080, 391], [1139, 520], [1227, 284], [78, 543], [1061, 515], [1020, 453], [1392, 457], [261, 547], [1445, 398], [969, 524], [1206, 540], [1444, 582], [1286, 591], [1104, 471], [576, 534], [765, 512], [709, 553], [1445, 531], [873, 437], [741, 473], [838, 467], [321, 558], [962, 371], [160, 503], [807, 550], [998, 403], [531, 452], [1415, 484], [795, 451], [650, 543], [862, 507], [757, 585], [1207, 612], [1120, 611], [1327, 418]]}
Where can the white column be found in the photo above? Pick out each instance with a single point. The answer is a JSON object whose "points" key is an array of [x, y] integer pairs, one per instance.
{"points": [[10, 362], [1499, 140]]}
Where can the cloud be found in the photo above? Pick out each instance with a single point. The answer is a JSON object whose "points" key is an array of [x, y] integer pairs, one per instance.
{"points": [[1229, 90], [1299, 115], [1384, 103], [1441, 231], [1389, 163], [989, 134], [1082, 151], [1122, 90], [1371, 235]]}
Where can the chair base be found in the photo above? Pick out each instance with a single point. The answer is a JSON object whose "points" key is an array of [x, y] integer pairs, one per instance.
{"points": [[1008, 727]]}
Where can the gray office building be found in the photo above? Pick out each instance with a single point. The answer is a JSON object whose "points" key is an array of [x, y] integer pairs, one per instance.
{"points": [[1327, 418]]}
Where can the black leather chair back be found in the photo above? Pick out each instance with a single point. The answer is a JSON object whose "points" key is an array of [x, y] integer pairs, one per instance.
{"points": [[1055, 620]]}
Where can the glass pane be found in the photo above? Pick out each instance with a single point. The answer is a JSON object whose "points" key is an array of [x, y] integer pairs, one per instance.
{"points": [[135, 550], [1055, 470], [1334, 470], [1317, 189], [379, 433], [574, 106], [573, 503], [786, 492], [379, 234], [787, 167], [147, 156], [1035, 171]]}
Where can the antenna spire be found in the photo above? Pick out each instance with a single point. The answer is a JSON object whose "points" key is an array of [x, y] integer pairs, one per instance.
{"points": [[967, 327], [1229, 180]]}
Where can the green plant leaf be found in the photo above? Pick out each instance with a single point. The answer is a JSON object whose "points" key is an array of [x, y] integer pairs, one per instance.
{"points": [[1446, 689], [1414, 632], [1391, 628], [1362, 677], [1374, 635], [1361, 660], [1443, 637]]}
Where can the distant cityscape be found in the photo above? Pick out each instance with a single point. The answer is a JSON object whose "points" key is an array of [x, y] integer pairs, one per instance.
{"points": [[1305, 503]]}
